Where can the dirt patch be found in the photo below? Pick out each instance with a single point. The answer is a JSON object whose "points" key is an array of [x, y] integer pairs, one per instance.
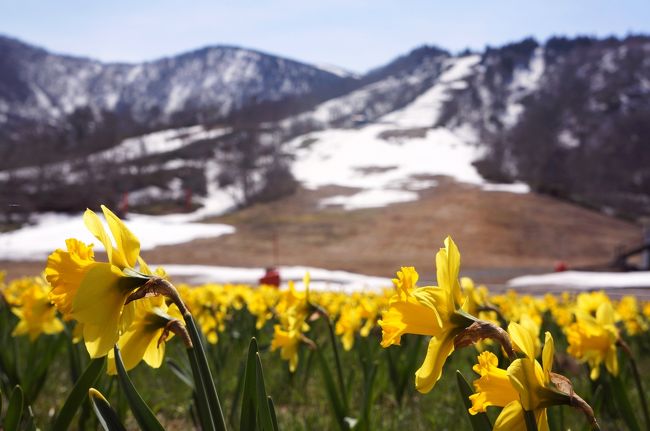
{"points": [[370, 170], [396, 134]]}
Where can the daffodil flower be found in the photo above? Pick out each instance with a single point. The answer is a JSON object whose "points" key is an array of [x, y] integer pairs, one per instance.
{"points": [[145, 337], [36, 313], [94, 293], [288, 340], [432, 310], [348, 324], [593, 339], [526, 386]]}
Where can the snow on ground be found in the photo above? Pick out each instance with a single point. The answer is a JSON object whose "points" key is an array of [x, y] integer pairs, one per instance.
{"points": [[524, 81], [385, 159], [163, 141], [50, 231], [425, 110], [321, 279], [583, 280]]}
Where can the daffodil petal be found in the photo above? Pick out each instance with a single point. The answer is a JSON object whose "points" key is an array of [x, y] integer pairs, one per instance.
{"points": [[94, 225], [100, 339], [127, 243], [100, 296], [155, 353], [611, 362], [547, 354], [407, 317], [511, 418], [527, 376], [542, 420], [605, 314], [447, 269], [429, 373], [522, 339]]}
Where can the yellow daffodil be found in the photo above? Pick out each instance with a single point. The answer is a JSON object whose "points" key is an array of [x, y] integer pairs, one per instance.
{"points": [[493, 388], [588, 302], [348, 325], [432, 310], [288, 340], [524, 386], [36, 313], [93, 293], [627, 311], [593, 339], [143, 339]]}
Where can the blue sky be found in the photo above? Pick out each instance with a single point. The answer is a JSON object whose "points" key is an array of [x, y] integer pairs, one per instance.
{"points": [[354, 34]]}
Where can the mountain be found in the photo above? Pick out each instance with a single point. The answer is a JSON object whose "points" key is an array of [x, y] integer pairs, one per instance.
{"points": [[70, 100], [567, 118]]}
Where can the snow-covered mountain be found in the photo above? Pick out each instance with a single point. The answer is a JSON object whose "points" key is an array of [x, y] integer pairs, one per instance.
{"points": [[567, 117], [46, 92]]}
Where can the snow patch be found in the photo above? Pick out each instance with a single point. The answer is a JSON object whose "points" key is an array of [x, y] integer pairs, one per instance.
{"points": [[568, 140], [50, 231], [424, 111], [519, 188], [583, 280], [524, 81]]}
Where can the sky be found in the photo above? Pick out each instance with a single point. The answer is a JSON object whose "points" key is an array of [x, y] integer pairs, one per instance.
{"points": [[353, 34]]}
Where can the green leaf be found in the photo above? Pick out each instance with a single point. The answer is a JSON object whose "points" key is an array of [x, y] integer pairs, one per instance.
{"points": [[107, 417], [337, 359], [273, 415], [14, 410], [141, 411], [479, 421], [623, 403], [200, 395], [263, 411], [248, 415], [34, 380], [332, 391], [79, 393], [180, 373]]}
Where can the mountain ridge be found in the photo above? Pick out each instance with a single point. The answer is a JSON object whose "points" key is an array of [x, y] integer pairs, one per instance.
{"points": [[514, 102]]}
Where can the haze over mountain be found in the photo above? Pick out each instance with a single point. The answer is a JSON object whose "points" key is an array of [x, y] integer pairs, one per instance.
{"points": [[567, 117]]}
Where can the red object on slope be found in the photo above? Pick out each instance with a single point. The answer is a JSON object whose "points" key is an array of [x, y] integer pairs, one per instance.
{"points": [[271, 278]]}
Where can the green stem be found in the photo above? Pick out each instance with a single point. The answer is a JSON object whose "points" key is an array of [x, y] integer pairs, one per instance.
{"points": [[637, 380], [202, 362], [337, 359], [202, 374]]}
